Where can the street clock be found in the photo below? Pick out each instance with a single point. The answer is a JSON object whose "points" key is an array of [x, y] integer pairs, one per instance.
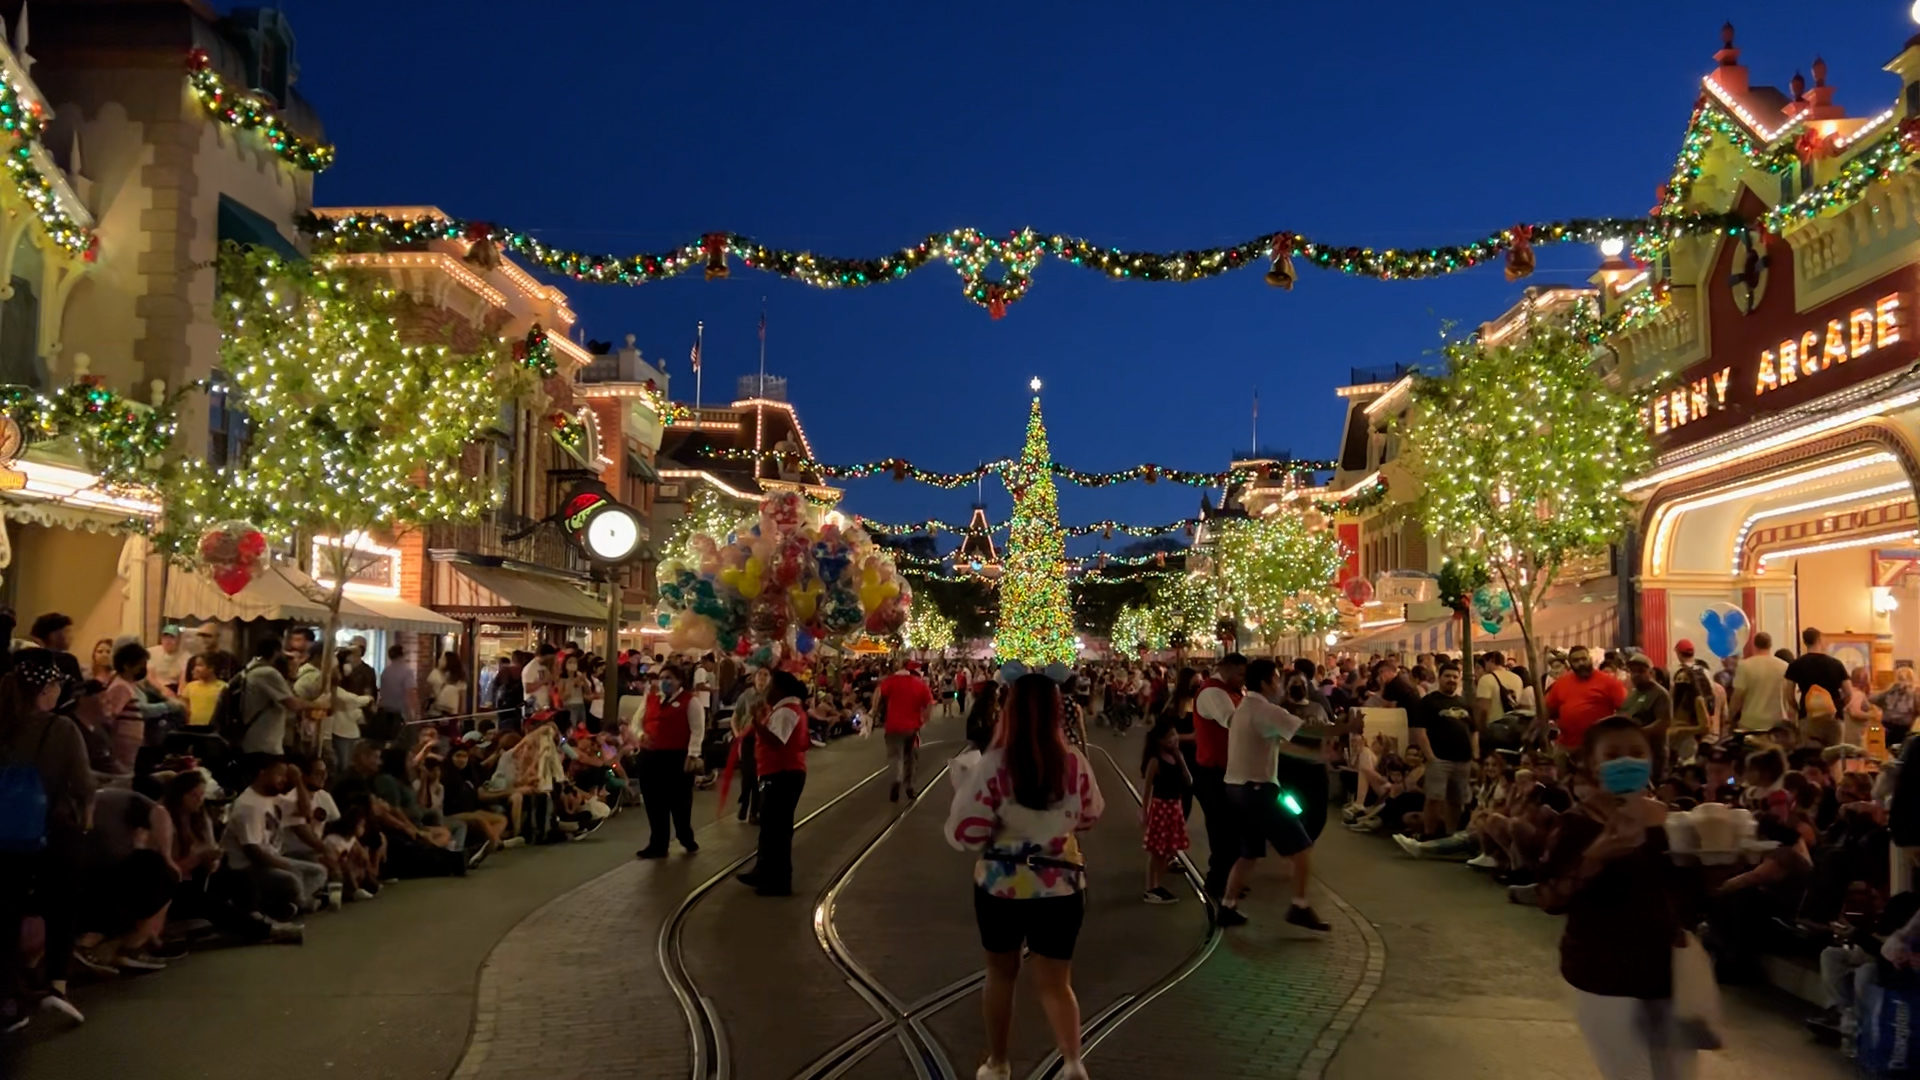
{"points": [[609, 532]]}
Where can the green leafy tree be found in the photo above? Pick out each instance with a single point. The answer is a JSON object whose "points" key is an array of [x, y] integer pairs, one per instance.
{"points": [[1135, 629], [1186, 611], [1275, 575], [1521, 450], [1036, 624], [355, 429], [708, 513], [926, 628]]}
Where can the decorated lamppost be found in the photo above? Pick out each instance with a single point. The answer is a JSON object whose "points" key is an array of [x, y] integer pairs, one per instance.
{"points": [[611, 535]]}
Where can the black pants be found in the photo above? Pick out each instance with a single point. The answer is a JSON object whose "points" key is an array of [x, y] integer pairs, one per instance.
{"points": [[44, 883], [667, 788], [1223, 826], [749, 779], [779, 798], [1306, 781]]}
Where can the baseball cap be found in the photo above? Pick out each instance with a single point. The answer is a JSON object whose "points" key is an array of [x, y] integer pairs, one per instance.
{"points": [[170, 630], [1684, 647], [1637, 658]]}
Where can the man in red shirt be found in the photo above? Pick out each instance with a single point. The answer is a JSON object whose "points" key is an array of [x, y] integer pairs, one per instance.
{"points": [[1581, 698], [903, 700], [1212, 708]]}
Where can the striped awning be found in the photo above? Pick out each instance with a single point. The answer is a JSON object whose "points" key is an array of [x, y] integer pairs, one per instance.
{"points": [[276, 593]]}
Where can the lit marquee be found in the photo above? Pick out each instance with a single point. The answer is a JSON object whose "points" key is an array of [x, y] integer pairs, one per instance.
{"points": [[1863, 331]]}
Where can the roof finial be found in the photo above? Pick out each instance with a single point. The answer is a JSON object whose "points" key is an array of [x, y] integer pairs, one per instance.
{"points": [[1819, 71], [1798, 85], [20, 39]]}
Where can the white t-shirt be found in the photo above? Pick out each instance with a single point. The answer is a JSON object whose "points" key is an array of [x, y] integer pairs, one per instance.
{"points": [[252, 821], [1254, 734], [1760, 678], [538, 683], [165, 668], [1488, 690], [1216, 704], [324, 812]]}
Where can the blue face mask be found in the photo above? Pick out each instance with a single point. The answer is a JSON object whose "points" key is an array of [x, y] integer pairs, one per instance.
{"points": [[1625, 775], [667, 687]]}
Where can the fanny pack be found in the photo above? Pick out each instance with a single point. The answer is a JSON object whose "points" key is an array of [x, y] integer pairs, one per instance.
{"points": [[1036, 861]]}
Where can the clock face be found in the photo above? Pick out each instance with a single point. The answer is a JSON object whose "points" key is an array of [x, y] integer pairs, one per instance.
{"points": [[613, 534]]}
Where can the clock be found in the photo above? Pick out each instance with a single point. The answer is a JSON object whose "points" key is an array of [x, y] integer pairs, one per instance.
{"points": [[612, 534]]}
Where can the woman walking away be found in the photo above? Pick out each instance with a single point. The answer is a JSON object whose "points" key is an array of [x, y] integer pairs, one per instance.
{"points": [[1167, 782], [1608, 872], [1022, 808], [780, 743]]}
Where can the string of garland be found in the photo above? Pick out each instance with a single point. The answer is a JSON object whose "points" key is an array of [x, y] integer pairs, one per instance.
{"points": [[1106, 528], [1097, 561], [1085, 578], [971, 253], [1635, 310], [249, 111], [902, 469], [571, 433], [1357, 503], [1710, 123], [24, 122], [117, 439], [1884, 158], [535, 353]]}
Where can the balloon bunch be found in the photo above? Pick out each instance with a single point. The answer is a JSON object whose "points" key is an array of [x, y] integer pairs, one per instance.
{"points": [[771, 594], [232, 550]]}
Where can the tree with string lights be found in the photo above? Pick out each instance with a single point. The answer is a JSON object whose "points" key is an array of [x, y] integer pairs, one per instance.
{"points": [[1521, 450], [1036, 615], [927, 629], [356, 431], [1185, 611], [1275, 575]]}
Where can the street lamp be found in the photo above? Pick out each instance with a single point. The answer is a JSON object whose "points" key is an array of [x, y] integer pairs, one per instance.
{"points": [[1612, 246]]}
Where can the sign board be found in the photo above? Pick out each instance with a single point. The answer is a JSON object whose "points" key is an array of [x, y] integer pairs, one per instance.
{"points": [[1406, 587]]}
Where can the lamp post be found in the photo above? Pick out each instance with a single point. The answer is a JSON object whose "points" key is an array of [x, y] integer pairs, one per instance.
{"points": [[611, 534]]}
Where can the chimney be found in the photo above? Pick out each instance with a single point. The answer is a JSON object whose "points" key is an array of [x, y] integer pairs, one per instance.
{"points": [[1819, 99], [1729, 75]]}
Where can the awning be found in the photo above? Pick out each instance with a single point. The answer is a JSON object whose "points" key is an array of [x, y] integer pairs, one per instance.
{"points": [[406, 618], [247, 227], [640, 467], [498, 592], [276, 593], [1592, 620], [1408, 638]]}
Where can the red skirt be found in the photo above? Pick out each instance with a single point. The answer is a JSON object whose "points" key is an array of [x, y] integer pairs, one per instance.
{"points": [[1166, 828]]}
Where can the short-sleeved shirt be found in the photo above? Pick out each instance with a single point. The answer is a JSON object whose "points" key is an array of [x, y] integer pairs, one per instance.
{"points": [[1489, 687], [1647, 707], [323, 812], [202, 697], [164, 668], [1758, 680], [1254, 734], [1821, 670], [252, 821], [906, 697], [1448, 722], [1582, 703], [262, 695], [396, 687]]}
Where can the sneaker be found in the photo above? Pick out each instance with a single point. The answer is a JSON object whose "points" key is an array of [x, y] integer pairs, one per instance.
{"points": [[166, 951], [818, 744], [362, 894], [1075, 1071], [56, 1002], [911, 794], [138, 962], [1407, 844], [690, 847], [1304, 918], [893, 793], [512, 842], [990, 1071], [1159, 895], [650, 853], [287, 933], [87, 960], [476, 857], [20, 1021], [1520, 894], [1484, 862], [748, 878], [1227, 916]]}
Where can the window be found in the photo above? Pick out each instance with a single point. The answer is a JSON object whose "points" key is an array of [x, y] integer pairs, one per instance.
{"points": [[20, 362], [227, 428]]}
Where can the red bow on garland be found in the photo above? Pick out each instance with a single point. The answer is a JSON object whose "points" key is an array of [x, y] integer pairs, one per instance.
{"points": [[1520, 255]]}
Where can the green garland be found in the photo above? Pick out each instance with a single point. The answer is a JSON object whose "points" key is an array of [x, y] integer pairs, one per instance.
{"points": [[118, 440], [1105, 528], [970, 252], [1008, 468], [251, 112], [24, 122]]}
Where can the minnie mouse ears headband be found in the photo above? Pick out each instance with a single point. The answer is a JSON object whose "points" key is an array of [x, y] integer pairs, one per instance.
{"points": [[35, 674], [1014, 670]]}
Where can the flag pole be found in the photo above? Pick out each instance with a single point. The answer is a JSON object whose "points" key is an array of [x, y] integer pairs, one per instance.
{"points": [[763, 347], [699, 346], [1256, 421]]}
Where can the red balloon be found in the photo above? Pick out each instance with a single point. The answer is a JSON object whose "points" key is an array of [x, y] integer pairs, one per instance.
{"points": [[253, 545], [232, 579], [1359, 590], [744, 648]]}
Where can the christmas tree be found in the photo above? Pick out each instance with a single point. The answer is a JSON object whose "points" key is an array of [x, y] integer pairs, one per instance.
{"points": [[1036, 618]]}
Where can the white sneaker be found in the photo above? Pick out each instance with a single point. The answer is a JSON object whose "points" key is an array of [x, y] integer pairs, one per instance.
{"points": [[362, 894], [990, 1071], [58, 1003], [1075, 1071], [513, 842], [1484, 862], [1407, 844]]}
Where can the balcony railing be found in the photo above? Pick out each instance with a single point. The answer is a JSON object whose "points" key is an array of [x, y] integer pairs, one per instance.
{"points": [[545, 547]]}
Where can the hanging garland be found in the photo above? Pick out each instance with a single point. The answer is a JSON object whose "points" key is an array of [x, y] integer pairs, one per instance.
{"points": [[535, 353], [1710, 123], [24, 122], [1099, 561], [249, 111], [1357, 503], [902, 469], [1106, 528], [910, 570], [117, 439], [1884, 159], [571, 433], [971, 252]]}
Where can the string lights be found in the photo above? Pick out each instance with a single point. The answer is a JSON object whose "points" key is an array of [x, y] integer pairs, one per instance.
{"points": [[902, 469], [1105, 528], [971, 253], [1036, 614], [249, 111], [118, 439], [23, 122]]}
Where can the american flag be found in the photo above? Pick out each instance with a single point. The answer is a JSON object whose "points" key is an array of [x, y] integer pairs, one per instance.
{"points": [[694, 353], [763, 324]]}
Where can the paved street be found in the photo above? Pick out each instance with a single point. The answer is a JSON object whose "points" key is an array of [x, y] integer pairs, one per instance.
{"points": [[547, 963]]}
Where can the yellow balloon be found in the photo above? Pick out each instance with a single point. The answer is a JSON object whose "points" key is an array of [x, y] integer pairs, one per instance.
{"points": [[750, 583], [805, 599]]}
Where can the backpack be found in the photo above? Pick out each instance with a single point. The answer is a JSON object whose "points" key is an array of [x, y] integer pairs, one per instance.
{"points": [[1509, 698], [23, 804], [230, 721]]}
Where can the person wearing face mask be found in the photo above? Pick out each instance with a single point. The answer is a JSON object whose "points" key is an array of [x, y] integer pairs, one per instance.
{"points": [[675, 719], [1608, 872], [1581, 698]]}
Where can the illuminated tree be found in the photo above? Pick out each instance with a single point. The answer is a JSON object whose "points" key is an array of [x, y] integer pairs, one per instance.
{"points": [[1135, 629], [1521, 450], [355, 431], [708, 513], [926, 629], [1185, 610], [1036, 616], [1275, 574]]}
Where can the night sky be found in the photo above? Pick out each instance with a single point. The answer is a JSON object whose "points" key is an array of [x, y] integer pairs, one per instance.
{"points": [[857, 128]]}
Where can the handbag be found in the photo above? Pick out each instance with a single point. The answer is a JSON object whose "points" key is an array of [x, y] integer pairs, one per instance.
{"points": [[1696, 997]]}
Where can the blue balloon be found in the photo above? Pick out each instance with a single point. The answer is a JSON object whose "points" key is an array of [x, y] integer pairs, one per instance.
{"points": [[1727, 629], [803, 643]]}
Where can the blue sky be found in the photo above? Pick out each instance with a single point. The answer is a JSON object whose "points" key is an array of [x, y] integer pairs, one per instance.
{"points": [[856, 128]]}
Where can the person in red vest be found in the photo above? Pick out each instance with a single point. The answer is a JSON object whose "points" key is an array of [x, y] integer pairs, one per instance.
{"points": [[902, 702], [1219, 696], [675, 722], [780, 743]]}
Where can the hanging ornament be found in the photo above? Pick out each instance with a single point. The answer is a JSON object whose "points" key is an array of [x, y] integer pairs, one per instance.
{"points": [[716, 248], [1812, 146], [232, 550], [1151, 475], [996, 301], [1281, 275], [1189, 530], [1106, 533], [1159, 558], [481, 249], [1520, 255], [1910, 134], [1358, 591], [899, 471]]}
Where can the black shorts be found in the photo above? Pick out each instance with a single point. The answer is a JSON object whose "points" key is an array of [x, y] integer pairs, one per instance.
{"points": [[1048, 925], [1263, 821]]}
